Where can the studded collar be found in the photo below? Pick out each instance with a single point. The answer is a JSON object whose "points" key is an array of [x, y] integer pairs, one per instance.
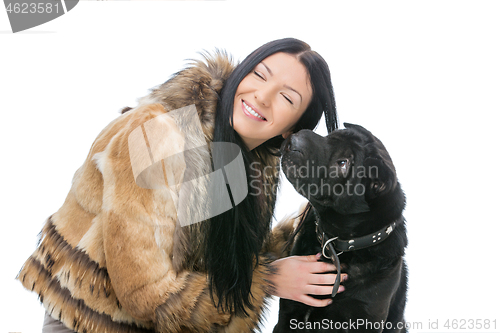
{"points": [[354, 243]]}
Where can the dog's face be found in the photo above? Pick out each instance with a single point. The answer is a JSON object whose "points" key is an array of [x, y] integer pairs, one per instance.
{"points": [[345, 170]]}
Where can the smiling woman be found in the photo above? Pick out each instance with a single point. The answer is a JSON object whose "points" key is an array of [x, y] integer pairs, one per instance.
{"points": [[114, 257]]}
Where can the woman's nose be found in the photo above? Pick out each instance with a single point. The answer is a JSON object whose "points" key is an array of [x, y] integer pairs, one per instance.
{"points": [[263, 96]]}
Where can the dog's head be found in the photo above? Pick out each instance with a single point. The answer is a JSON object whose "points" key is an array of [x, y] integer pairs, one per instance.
{"points": [[345, 171]]}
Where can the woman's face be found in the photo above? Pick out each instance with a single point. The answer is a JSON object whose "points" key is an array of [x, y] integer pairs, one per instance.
{"points": [[271, 99]]}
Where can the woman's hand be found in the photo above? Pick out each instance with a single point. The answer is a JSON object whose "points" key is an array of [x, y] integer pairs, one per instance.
{"points": [[297, 277]]}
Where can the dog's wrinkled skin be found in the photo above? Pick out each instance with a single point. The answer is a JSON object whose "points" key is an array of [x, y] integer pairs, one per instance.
{"points": [[351, 183]]}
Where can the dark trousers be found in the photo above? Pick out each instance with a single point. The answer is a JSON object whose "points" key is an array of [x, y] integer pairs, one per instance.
{"points": [[50, 325]]}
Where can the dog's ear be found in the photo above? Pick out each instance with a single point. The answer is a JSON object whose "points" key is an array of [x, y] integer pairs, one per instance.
{"points": [[382, 177], [358, 128]]}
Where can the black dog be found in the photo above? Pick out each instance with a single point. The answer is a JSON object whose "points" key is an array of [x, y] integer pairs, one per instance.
{"points": [[356, 206]]}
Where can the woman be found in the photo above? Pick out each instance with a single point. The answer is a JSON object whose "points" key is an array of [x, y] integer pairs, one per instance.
{"points": [[114, 257]]}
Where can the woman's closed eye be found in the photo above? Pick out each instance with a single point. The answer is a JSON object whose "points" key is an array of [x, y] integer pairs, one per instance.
{"points": [[259, 75], [288, 99]]}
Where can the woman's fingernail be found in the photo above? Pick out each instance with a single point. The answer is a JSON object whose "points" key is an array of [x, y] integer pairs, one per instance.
{"points": [[329, 302], [341, 289], [318, 255], [345, 278]]}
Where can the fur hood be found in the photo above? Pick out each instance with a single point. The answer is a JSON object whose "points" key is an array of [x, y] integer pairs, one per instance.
{"points": [[113, 258]]}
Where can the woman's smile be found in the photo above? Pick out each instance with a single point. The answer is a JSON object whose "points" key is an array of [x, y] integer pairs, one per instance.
{"points": [[251, 111]]}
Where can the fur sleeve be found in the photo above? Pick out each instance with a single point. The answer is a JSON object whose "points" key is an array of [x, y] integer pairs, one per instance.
{"points": [[138, 240]]}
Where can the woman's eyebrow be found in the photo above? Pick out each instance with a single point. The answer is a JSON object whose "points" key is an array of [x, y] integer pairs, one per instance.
{"points": [[286, 86], [268, 69]]}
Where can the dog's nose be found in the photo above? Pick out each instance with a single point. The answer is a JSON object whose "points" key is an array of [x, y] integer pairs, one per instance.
{"points": [[296, 143]]}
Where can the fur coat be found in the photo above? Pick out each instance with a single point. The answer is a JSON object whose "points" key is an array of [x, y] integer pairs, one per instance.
{"points": [[112, 258]]}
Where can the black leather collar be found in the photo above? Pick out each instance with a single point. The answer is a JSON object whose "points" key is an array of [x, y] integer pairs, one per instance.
{"points": [[354, 243], [328, 245]]}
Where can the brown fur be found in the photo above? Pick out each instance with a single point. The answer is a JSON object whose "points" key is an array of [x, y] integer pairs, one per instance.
{"points": [[112, 258]]}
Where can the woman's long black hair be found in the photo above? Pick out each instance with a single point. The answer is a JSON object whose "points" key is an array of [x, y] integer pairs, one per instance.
{"points": [[235, 237]]}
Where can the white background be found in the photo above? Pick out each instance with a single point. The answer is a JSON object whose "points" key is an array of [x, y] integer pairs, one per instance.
{"points": [[424, 76]]}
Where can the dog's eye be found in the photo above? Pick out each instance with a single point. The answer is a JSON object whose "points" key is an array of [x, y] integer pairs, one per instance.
{"points": [[342, 164]]}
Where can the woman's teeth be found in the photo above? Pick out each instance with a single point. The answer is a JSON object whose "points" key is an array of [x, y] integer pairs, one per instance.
{"points": [[252, 112]]}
